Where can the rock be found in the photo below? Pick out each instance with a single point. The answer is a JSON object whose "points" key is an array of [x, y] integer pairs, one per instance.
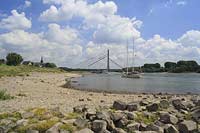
{"points": [[170, 129], [196, 115], [27, 115], [122, 123], [142, 127], [164, 104], [64, 131], [99, 125], [177, 103], [133, 127], [132, 107], [187, 127], [32, 131], [54, 129], [119, 105], [70, 121], [130, 115], [117, 116], [80, 123], [80, 109], [153, 107], [168, 119], [91, 114], [85, 130], [144, 103], [22, 122], [119, 130], [153, 127]]}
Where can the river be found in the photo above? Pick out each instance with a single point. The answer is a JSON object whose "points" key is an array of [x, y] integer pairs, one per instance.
{"points": [[172, 83]]}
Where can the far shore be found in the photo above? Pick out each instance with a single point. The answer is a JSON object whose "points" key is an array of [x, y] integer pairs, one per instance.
{"points": [[45, 90]]}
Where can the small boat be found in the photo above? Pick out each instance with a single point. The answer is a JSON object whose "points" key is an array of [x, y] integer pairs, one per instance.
{"points": [[133, 73]]}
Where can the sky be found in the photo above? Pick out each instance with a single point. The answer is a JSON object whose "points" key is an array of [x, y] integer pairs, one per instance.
{"points": [[75, 33]]}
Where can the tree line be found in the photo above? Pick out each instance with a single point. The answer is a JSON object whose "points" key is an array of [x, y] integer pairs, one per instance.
{"points": [[14, 59]]}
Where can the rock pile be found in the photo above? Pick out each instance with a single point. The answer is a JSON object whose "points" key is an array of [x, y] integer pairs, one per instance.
{"points": [[161, 116]]}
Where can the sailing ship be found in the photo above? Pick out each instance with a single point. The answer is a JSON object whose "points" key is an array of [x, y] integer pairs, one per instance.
{"points": [[133, 73]]}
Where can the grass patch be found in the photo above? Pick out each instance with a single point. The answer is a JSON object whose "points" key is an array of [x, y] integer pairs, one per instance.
{"points": [[23, 70], [16, 115], [4, 95], [72, 115], [146, 119], [68, 127]]}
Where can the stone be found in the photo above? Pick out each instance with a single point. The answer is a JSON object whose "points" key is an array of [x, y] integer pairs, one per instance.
{"points": [[144, 103], [22, 122], [99, 125], [119, 105], [80, 123], [153, 127], [133, 126], [152, 107], [70, 121], [121, 123], [167, 118], [142, 127], [117, 116], [80, 109], [187, 127], [32, 131], [169, 128], [27, 115], [132, 107], [85, 130], [54, 129], [164, 104], [64, 131], [130, 115], [91, 114], [119, 130], [177, 103], [196, 115]]}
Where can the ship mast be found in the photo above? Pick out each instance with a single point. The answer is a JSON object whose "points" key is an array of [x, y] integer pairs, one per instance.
{"points": [[133, 69], [127, 57]]}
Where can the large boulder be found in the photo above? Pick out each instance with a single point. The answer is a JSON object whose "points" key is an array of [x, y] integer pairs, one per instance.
{"points": [[54, 129], [119, 130], [196, 114], [119, 105], [81, 123], [169, 128], [187, 127], [177, 103], [99, 125], [164, 104], [32, 131], [152, 107], [168, 118], [132, 107], [133, 127], [122, 123], [117, 116], [153, 127]]}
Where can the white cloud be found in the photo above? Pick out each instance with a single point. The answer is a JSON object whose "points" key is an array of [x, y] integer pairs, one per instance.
{"points": [[34, 45], [27, 4], [15, 21], [181, 3], [100, 17]]}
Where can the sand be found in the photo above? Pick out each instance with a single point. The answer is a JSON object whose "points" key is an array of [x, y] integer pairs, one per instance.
{"points": [[45, 90]]}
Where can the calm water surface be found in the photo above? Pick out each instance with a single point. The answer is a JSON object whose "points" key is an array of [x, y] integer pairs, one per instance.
{"points": [[149, 83]]}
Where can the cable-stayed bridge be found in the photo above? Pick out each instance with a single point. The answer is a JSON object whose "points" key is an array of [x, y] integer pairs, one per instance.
{"points": [[89, 64]]}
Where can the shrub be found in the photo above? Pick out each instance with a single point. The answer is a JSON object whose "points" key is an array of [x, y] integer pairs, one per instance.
{"points": [[50, 65], [5, 96], [14, 59]]}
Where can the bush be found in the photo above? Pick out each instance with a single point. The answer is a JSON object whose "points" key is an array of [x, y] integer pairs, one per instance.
{"points": [[4, 95], [50, 65], [2, 61], [14, 59]]}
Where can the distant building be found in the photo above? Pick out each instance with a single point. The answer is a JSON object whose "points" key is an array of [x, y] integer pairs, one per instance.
{"points": [[29, 63]]}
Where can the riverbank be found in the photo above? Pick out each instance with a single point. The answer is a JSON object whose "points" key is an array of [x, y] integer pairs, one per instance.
{"points": [[41, 98]]}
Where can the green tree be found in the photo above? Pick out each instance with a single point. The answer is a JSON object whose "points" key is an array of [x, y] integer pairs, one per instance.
{"points": [[170, 65], [50, 65], [13, 59]]}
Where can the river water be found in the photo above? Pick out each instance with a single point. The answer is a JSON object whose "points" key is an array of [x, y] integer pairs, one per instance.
{"points": [[149, 83]]}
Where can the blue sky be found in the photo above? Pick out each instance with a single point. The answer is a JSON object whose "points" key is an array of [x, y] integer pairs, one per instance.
{"points": [[86, 28]]}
